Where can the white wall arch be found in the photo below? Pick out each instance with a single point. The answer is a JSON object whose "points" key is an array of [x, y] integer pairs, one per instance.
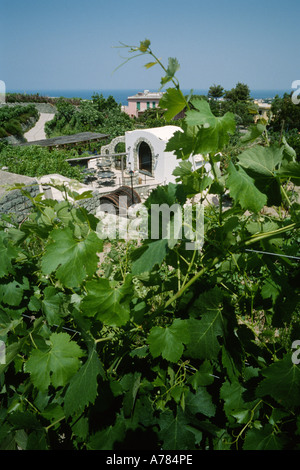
{"points": [[162, 163], [110, 148], [144, 156]]}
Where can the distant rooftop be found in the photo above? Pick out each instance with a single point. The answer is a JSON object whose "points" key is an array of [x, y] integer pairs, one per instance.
{"points": [[146, 94], [67, 139]]}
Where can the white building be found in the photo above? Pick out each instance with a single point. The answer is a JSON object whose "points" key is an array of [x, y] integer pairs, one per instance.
{"points": [[146, 153]]}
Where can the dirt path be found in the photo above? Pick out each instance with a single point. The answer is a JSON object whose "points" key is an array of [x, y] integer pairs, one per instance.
{"points": [[38, 132]]}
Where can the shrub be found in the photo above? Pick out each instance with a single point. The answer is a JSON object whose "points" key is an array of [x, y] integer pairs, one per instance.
{"points": [[11, 118], [37, 161]]}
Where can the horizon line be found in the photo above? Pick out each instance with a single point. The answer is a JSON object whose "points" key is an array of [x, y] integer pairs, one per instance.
{"points": [[133, 88]]}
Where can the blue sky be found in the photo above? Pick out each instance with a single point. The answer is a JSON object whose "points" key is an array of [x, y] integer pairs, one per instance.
{"points": [[70, 44]]}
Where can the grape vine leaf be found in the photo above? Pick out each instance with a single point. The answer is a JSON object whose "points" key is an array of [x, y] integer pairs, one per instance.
{"points": [[167, 194], [183, 169], [204, 332], [210, 300], [72, 259], [12, 292], [183, 141], [270, 288], [37, 440], [144, 45], [4, 432], [106, 439], [150, 254], [82, 388], [261, 160], [203, 342], [213, 133], [169, 342], [200, 402], [232, 394], [253, 133], [53, 412], [174, 431], [52, 305], [55, 364], [7, 254], [290, 170], [164, 200], [81, 428], [7, 324], [173, 101], [194, 181], [289, 154], [243, 190], [173, 67], [143, 412], [13, 349], [203, 376], [150, 64], [108, 301], [281, 382], [130, 383], [263, 439], [261, 163]]}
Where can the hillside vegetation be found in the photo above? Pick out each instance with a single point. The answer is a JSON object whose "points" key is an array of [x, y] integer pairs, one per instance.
{"points": [[97, 115], [14, 120]]}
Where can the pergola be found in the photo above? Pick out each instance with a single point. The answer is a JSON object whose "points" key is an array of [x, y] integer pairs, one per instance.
{"points": [[68, 140]]}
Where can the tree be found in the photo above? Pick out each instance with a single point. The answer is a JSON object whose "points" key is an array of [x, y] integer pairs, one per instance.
{"points": [[64, 109], [238, 101], [88, 116], [241, 92], [102, 104], [215, 91], [286, 114]]}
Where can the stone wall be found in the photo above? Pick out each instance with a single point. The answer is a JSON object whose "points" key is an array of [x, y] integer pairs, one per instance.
{"points": [[91, 204], [13, 201]]}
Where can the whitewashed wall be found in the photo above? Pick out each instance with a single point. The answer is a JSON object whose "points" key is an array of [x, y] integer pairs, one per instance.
{"points": [[164, 162]]}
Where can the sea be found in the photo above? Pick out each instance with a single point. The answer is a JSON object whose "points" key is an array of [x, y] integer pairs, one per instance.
{"points": [[121, 95]]}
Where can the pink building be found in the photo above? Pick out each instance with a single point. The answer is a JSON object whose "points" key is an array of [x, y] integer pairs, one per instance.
{"points": [[138, 103]]}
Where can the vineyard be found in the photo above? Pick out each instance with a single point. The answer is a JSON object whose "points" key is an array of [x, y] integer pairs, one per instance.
{"points": [[128, 344], [37, 98], [38, 161], [12, 119], [98, 115]]}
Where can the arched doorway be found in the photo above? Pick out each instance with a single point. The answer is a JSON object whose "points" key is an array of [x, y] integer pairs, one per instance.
{"points": [[145, 158]]}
